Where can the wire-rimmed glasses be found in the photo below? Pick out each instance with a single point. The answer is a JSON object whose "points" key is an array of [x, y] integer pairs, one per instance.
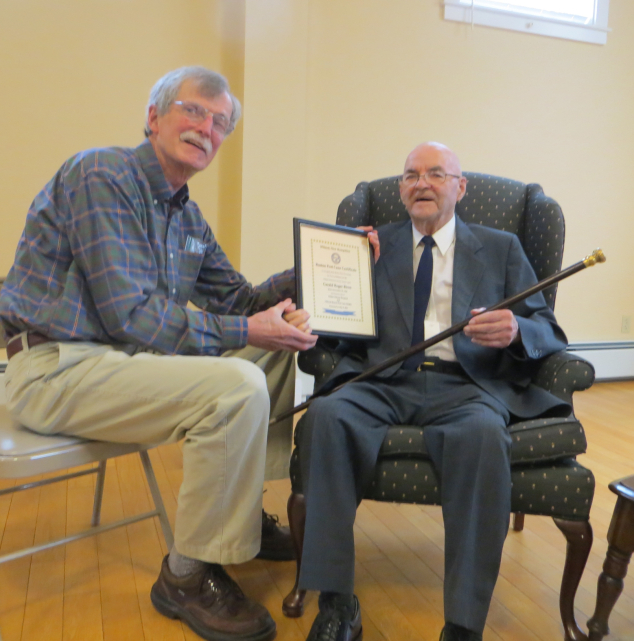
{"points": [[197, 114]]}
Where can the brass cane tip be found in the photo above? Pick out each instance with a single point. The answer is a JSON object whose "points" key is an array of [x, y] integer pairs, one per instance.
{"points": [[597, 256]]}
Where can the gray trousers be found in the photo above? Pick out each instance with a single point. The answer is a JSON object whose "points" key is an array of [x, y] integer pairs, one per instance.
{"points": [[465, 433]]}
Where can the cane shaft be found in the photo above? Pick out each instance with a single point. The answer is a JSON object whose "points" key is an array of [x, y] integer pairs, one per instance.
{"points": [[596, 257]]}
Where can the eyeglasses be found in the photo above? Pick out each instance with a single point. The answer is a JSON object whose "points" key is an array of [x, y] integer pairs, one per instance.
{"points": [[197, 114], [432, 177]]}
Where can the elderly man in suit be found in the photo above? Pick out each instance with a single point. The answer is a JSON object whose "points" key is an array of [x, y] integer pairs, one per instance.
{"points": [[433, 271]]}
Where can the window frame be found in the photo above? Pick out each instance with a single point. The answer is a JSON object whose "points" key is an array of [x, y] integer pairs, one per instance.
{"points": [[595, 33]]}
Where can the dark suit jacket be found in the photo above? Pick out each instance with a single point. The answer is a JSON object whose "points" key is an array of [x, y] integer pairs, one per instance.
{"points": [[489, 265]]}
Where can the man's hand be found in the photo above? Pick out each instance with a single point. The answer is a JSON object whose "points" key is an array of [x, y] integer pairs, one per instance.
{"points": [[373, 237], [268, 330], [493, 329], [297, 318]]}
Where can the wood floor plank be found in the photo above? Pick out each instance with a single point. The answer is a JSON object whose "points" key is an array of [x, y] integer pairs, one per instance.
{"points": [[255, 580], [550, 574], [120, 607], [19, 532], [423, 614], [5, 504], [102, 592], [45, 595], [146, 552], [379, 608], [411, 536], [82, 589], [506, 625], [523, 608]]}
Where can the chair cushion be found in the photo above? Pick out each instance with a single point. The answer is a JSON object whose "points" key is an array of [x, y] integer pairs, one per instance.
{"points": [[563, 489], [547, 439], [537, 440]]}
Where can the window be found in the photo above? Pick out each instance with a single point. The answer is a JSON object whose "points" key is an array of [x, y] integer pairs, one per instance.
{"points": [[585, 20]]}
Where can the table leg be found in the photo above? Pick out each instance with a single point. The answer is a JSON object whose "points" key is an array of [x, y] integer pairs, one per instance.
{"points": [[621, 547]]}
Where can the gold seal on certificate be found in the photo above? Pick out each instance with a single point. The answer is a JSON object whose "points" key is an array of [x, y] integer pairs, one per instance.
{"points": [[334, 267]]}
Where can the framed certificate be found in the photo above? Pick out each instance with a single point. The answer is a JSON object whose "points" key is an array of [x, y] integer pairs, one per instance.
{"points": [[334, 268]]}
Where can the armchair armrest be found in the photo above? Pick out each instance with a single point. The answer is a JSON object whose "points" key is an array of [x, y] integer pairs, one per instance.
{"points": [[563, 373], [321, 360]]}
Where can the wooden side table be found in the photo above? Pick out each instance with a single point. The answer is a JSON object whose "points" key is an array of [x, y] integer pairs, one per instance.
{"points": [[621, 546]]}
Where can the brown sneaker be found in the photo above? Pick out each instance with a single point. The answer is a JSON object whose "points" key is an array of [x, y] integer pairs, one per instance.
{"points": [[212, 604], [277, 544]]}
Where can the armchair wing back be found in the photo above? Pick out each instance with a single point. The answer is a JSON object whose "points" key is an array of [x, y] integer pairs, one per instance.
{"points": [[496, 202]]}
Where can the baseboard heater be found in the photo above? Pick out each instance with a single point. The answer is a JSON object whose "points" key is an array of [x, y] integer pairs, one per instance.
{"points": [[612, 361]]}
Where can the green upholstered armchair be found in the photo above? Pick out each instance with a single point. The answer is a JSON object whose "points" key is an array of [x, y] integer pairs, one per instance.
{"points": [[546, 478]]}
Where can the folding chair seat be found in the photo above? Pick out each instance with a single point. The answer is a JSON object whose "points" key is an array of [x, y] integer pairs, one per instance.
{"points": [[24, 453]]}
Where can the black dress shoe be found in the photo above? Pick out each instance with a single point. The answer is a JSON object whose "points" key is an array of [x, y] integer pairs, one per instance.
{"points": [[277, 544], [453, 632], [339, 619]]}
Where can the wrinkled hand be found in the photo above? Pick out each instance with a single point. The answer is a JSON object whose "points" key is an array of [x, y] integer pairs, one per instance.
{"points": [[268, 330], [493, 329], [373, 237], [297, 318]]}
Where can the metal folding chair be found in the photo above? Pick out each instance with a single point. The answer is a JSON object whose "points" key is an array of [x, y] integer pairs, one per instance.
{"points": [[24, 453]]}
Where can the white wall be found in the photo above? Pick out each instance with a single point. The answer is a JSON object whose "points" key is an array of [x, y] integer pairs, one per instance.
{"points": [[339, 92], [335, 92]]}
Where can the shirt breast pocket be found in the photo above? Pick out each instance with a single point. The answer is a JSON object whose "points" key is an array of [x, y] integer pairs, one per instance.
{"points": [[188, 269]]}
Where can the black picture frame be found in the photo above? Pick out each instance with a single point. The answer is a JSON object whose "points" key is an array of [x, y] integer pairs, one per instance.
{"points": [[340, 294]]}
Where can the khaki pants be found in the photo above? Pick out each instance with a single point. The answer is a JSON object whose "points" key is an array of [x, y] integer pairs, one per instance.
{"points": [[218, 405]]}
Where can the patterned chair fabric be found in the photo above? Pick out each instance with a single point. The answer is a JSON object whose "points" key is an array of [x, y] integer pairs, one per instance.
{"points": [[538, 222], [547, 480], [496, 202]]}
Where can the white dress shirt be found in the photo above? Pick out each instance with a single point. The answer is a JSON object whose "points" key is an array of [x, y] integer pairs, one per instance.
{"points": [[438, 316]]}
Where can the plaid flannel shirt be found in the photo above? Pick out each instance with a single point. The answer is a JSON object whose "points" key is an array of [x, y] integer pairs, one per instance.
{"points": [[111, 254]]}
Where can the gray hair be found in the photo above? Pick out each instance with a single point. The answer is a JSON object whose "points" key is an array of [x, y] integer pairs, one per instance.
{"points": [[209, 83]]}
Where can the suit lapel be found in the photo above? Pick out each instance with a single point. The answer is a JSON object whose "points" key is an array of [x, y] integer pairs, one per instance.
{"points": [[468, 270], [397, 259]]}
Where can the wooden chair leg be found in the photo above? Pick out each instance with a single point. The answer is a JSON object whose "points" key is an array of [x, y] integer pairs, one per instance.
{"points": [[518, 521], [579, 537], [620, 549], [293, 604]]}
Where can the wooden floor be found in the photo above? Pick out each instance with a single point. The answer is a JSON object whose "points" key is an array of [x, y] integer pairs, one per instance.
{"points": [[98, 588]]}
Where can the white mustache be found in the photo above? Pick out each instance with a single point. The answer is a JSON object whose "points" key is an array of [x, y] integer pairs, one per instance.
{"points": [[197, 139]]}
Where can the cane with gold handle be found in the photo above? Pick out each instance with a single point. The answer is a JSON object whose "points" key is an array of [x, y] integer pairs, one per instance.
{"points": [[597, 256]]}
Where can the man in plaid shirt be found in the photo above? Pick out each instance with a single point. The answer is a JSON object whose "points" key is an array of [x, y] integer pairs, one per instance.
{"points": [[102, 345]]}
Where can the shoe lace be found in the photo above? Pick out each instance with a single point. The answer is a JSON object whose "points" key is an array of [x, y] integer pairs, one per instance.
{"points": [[327, 626], [221, 588], [269, 520], [334, 616]]}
